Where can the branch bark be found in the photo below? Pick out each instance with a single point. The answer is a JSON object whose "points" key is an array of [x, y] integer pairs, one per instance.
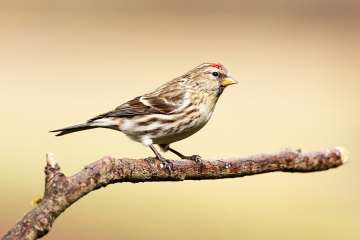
{"points": [[62, 191]]}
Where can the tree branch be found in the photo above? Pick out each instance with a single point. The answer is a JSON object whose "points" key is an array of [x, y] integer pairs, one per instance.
{"points": [[62, 191]]}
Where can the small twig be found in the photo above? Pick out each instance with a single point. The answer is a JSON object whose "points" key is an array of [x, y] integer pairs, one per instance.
{"points": [[62, 191]]}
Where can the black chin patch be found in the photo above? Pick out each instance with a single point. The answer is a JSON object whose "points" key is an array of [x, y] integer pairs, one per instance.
{"points": [[220, 90]]}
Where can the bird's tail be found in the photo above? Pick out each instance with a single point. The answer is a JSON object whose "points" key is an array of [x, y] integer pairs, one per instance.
{"points": [[96, 123], [74, 128]]}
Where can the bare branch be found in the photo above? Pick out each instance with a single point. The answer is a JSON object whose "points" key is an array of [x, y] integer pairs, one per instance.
{"points": [[62, 191]]}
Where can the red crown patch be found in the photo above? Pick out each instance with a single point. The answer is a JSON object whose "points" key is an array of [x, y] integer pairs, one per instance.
{"points": [[217, 65]]}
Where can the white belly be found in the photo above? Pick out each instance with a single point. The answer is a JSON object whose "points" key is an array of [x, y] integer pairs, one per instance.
{"points": [[177, 136], [159, 133]]}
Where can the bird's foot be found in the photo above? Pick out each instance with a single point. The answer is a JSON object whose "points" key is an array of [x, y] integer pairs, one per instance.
{"points": [[166, 163], [195, 158]]}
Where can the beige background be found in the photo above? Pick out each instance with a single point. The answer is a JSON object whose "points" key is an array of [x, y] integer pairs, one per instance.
{"points": [[298, 63]]}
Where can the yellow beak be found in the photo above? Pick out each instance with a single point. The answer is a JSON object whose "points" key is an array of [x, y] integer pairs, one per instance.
{"points": [[228, 81]]}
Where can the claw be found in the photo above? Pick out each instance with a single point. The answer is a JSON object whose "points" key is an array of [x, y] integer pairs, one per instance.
{"points": [[166, 163], [195, 158]]}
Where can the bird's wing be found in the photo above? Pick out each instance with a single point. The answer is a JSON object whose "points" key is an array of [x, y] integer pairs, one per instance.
{"points": [[161, 101]]}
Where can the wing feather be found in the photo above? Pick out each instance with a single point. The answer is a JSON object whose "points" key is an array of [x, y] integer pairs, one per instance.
{"points": [[161, 101]]}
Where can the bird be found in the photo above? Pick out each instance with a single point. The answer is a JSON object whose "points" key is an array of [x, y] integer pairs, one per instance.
{"points": [[172, 112]]}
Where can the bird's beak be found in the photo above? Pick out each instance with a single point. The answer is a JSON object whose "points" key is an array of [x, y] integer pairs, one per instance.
{"points": [[228, 81]]}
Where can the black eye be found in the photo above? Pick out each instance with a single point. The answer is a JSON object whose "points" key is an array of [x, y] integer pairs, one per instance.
{"points": [[215, 74]]}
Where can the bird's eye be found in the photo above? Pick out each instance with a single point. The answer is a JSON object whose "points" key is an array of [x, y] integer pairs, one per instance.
{"points": [[215, 74]]}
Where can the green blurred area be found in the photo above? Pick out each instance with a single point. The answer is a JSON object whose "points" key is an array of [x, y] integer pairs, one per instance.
{"points": [[298, 63]]}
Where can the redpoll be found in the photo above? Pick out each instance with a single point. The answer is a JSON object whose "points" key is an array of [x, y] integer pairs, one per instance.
{"points": [[174, 111]]}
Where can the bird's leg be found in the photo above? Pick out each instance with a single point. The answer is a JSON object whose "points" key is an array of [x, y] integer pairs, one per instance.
{"points": [[165, 161], [195, 158]]}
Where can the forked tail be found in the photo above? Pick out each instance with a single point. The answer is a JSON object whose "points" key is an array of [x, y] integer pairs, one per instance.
{"points": [[92, 123], [74, 128]]}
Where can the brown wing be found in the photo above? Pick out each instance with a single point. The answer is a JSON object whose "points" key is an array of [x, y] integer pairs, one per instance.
{"points": [[162, 101]]}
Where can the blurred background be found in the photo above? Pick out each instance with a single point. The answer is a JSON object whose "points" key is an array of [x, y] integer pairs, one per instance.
{"points": [[298, 63]]}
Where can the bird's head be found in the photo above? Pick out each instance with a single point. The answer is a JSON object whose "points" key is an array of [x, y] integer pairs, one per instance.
{"points": [[210, 77]]}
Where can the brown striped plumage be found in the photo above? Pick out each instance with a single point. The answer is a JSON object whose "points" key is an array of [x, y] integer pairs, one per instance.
{"points": [[172, 112]]}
